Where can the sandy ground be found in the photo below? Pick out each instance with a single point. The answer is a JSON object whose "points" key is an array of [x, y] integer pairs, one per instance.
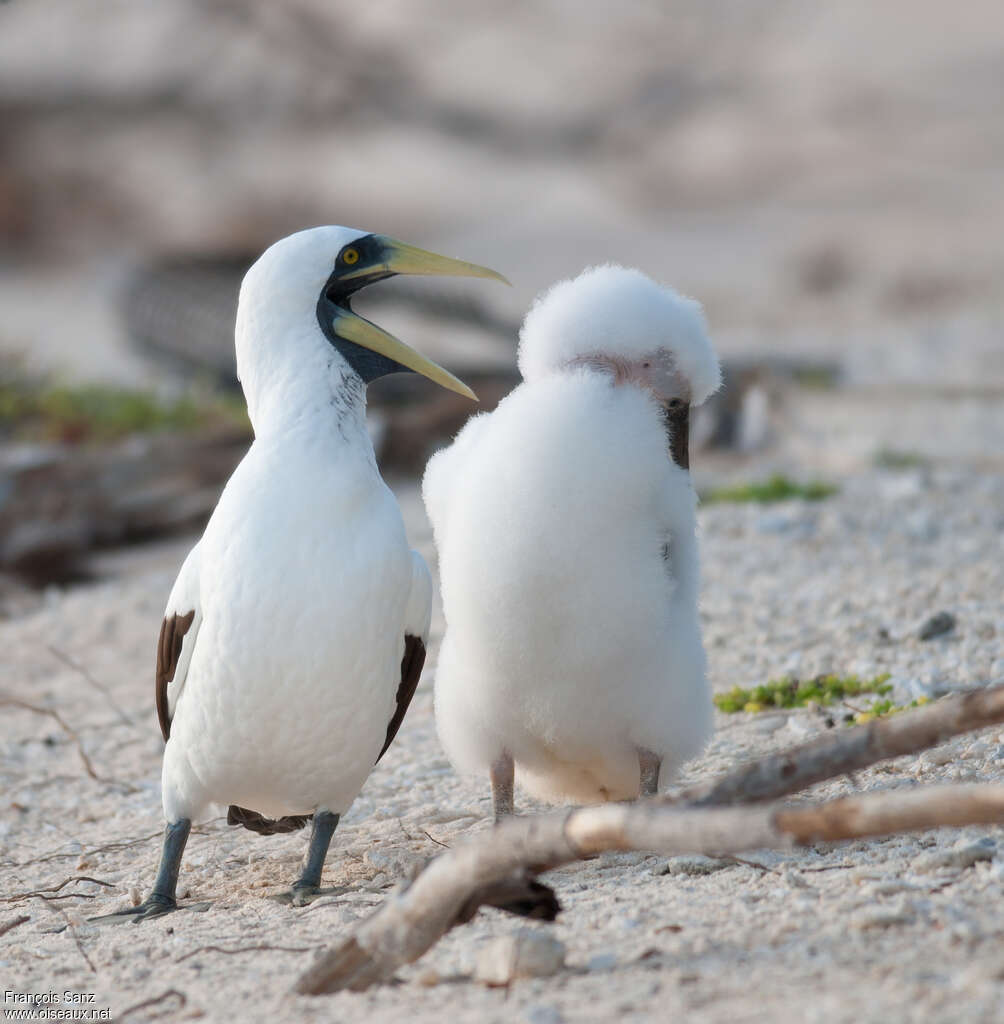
{"points": [[870, 931]]}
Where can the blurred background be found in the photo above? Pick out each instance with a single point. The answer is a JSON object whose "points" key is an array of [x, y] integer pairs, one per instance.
{"points": [[826, 178]]}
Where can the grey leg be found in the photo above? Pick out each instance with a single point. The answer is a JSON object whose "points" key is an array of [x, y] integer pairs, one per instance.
{"points": [[649, 764], [162, 899], [501, 775], [307, 886]]}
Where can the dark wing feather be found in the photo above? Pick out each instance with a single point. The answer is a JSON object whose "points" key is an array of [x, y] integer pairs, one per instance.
{"points": [[411, 672], [172, 634]]}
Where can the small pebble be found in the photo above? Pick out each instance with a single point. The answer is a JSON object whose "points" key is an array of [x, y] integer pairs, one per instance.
{"points": [[691, 864], [963, 855], [602, 962], [882, 917], [937, 625], [910, 689], [937, 756], [978, 748], [890, 887], [766, 724], [794, 878], [395, 862], [544, 1015], [523, 954], [801, 725]]}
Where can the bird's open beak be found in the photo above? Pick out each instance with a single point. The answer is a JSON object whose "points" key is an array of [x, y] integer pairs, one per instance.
{"points": [[361, 331], [384, 257], [394, 257]]}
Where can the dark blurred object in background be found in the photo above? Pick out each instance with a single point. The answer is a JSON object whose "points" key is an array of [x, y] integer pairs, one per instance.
{"points": [[825, 178]]}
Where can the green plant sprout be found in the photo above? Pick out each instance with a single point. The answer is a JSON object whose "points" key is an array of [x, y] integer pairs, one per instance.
{"points": [[38, 410], [776, 488]]}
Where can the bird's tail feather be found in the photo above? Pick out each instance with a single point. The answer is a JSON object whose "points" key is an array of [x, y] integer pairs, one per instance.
{"points": [[256, 822]]}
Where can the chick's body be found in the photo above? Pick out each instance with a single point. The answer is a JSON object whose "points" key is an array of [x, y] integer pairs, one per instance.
{"points": [[572, 640], [569, 567]]}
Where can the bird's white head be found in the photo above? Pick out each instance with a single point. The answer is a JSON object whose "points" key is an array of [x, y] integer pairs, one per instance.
{"points": [[298, 339], [619, 321]]}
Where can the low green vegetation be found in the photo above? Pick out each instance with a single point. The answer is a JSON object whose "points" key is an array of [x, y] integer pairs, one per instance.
{"points": [[35, 409], [893, 458], [776, 488], [797, 693], [881, 708], [823, 691], [816, 378]]}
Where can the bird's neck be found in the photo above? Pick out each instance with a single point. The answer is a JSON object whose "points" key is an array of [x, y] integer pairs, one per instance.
{"points": [[302, 390]]}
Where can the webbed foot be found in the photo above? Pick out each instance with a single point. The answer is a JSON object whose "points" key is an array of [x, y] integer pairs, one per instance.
{"points": [[161, 901], [153, 906], [303, 895]]}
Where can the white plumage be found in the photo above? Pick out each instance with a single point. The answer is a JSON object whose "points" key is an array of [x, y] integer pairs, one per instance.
{"points": [[303, 580], [301, 584], [295, 634], [568, 551]]}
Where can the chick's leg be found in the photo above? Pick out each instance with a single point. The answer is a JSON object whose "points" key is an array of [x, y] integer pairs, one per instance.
{"points": [[649, 765], [501, 774]]}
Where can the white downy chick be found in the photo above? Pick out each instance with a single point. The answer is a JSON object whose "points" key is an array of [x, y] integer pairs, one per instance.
{"points": [[566, 530]]}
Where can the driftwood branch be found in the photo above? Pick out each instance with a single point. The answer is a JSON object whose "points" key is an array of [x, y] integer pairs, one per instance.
{"points": [[68, 499], [407, 926], [447, 892]]}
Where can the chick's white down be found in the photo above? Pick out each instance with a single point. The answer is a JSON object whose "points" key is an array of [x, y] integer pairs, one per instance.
{"points": [[568, 551]]}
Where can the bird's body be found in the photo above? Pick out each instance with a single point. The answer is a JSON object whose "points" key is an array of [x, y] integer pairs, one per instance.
{"points": [[305, 581], [569, 567], [294, 637]]}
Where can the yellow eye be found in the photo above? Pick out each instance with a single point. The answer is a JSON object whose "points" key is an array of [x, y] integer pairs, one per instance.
{"points": [[350, 256]]}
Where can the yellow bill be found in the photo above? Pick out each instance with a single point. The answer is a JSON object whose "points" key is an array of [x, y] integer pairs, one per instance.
{"points": [[401, 258], [361, 331]]}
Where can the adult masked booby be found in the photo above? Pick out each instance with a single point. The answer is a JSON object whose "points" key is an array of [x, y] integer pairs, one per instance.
{"points": [[566, 530], [295, 634]]}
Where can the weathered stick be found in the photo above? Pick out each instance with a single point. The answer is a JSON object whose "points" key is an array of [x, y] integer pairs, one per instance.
{"points": [[407, 925], [848, 750], [446, 893]]}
